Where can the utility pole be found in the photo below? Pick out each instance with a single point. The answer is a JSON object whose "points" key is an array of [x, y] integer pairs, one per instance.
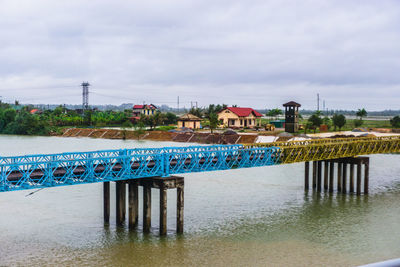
{"points": [[178, 104], [85, 95], [318, 102]]}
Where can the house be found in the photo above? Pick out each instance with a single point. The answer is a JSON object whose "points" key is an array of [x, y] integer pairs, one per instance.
{"points": [[235, 117], [189, 121], [139, 110]]}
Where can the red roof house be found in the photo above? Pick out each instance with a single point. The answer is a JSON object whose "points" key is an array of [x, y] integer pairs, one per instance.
{"points": [[146, 110], [237, 117]]}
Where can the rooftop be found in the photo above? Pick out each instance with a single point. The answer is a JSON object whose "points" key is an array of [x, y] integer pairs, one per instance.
{"points": [[243, 112], [189, 117], [151, 106]]}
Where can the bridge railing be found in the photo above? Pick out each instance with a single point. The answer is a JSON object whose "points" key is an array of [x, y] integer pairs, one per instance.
{"points": [[110, 153], [36, 171], [325, 141], [314, 150]]}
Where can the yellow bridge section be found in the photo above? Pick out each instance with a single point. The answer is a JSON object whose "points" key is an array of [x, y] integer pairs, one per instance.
{"points": [[332, 148]]}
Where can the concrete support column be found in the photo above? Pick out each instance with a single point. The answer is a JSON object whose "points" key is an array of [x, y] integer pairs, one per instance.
{"points": [[358, 178], [331, 175], [351, 178], [366, 176], [319, 168], [123, 199], [106, 202], [306, 175], [163, 210], [120, 201], [146, 208], [339, 178], [133, 207], [314, 175], [179, 209], [344, 178], [326, 168]]}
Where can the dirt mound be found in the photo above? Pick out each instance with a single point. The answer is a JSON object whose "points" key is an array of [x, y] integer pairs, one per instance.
{"points": [[202, 138]]}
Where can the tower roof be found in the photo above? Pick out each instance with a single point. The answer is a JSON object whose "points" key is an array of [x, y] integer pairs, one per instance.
{"points": [[292, 103]]}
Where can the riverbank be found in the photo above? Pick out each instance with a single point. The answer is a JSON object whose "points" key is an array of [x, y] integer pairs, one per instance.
{"points": [[209, 138], [187, 137]]}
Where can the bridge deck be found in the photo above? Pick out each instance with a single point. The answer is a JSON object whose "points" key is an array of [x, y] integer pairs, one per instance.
{"points": [[37, 171]]}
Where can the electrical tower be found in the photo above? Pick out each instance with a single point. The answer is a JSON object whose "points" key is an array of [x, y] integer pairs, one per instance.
{"points": [[85, 95]]}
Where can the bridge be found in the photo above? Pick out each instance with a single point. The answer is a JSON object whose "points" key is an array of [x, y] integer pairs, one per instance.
{"points": [[156, 167]]}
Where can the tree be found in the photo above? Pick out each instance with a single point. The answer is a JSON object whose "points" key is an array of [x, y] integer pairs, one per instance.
{"points": [[87, 117], [9, 115], [196, 111], [213, 109], [339, 120], [125, 125], [327, 121], [361, 113], [307, 126], [395, 121], [315, 120], [273, 113], [170, 118], [139, 130], [213, 117], [153, 120], [357, 123]]}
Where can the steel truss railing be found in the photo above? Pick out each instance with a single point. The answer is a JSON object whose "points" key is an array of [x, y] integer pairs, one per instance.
{"points": [[38, 171], [323, 149]]}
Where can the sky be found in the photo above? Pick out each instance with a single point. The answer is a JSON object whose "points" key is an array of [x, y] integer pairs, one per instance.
{"points": [[257, 54]]}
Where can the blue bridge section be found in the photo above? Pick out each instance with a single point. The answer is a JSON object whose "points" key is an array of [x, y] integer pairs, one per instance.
{"points": [[39, 171]]}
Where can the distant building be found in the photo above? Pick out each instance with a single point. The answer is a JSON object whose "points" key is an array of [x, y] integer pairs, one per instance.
{"points": [[146, 110], [291, 116], [235, 117], [35, 111], [189, 121]]}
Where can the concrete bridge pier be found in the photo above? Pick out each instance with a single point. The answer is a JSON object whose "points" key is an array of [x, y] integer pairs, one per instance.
{"points": [[133, 203], [106, 202], [120, 201], [161, 183], [346, 180]]}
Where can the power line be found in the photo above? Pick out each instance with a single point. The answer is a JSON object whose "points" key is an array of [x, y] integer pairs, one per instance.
{"points": [[38, 88], [134, 99]]}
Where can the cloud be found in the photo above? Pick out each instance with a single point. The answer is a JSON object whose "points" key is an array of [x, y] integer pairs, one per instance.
{"points": [[250, 53]]}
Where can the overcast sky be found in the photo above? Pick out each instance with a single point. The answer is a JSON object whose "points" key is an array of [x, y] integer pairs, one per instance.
{"points": [[250, 53]]}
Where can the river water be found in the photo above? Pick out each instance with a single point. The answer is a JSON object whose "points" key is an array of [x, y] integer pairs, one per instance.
{"points": [[247, 217]]}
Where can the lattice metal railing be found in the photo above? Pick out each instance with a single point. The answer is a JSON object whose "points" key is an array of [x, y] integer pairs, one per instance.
{"points": [[37, 171], [330, 148]]}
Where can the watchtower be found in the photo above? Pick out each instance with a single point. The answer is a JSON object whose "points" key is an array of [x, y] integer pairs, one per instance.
{"points": [[291, 116]]}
